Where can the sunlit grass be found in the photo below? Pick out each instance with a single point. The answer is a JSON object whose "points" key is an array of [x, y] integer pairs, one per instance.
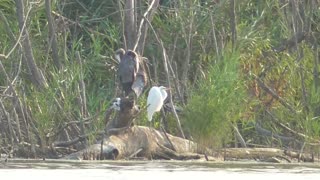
{"points": [[217, 102]]}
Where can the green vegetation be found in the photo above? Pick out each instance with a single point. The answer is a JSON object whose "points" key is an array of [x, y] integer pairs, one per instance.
{"points": [[233, 65], [218, 101]]}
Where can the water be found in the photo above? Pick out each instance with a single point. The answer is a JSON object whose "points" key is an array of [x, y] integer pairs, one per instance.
{"points": [[80, 170]]}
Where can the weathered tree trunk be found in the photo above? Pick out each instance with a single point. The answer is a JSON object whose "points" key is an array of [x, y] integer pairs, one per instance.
{"points": [[52, 36], [130, 29], [37, 77], [141, 142], [123, 118]]}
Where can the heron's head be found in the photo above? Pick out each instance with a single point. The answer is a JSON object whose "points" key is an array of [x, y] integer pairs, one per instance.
{"points": [[119, 53], [135, 58]]}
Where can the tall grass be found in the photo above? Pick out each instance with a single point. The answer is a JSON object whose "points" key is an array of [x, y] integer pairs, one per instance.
{"points": [[217, 102]]}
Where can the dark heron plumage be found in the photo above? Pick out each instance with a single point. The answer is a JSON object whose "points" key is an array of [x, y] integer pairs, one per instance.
{"points": [[128, 68]]}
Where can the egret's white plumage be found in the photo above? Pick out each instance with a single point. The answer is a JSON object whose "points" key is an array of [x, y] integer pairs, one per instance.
{"points": [[155, 100]]}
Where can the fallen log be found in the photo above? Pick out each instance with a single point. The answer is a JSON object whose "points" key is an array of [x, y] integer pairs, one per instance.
{"points": [[143, 142], [253, 153], [300, 156], [139, 142]]}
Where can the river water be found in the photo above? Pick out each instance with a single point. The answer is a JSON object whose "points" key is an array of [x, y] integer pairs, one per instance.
{"points": [[177, 170]]}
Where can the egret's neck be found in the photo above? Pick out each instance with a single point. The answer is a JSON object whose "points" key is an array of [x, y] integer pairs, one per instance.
{"points": [[164, 94]]}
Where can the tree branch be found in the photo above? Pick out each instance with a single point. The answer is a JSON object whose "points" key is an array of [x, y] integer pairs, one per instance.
{"points": [[19, 37], [52, 35], [165, 63], [277, 121], [274, 94], [140, 42], [73, 141], [37, 77]]}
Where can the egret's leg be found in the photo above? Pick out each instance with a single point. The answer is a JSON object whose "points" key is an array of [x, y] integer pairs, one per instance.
{"points": [[149, 125]]}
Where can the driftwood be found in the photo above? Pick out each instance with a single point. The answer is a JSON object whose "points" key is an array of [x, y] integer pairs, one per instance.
{"points": [[267, 155], [253, 153], [142, 142], [300, 156], [139, 142], [123, 140]]}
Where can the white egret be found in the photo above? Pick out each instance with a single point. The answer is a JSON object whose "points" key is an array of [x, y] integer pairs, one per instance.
{"points": [[128, 68], [155, 100]]}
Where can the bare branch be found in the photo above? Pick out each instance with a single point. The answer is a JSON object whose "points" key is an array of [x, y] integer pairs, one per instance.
{"points": [[239, 136], [73, 141], [277, 121], [165, 63], [52, 35], [150, 11], [37, 76], [20, 35], [15, 100], [274, 94]]}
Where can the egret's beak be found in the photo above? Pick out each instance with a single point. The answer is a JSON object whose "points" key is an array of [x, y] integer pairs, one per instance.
{"points": [[168, 88]]}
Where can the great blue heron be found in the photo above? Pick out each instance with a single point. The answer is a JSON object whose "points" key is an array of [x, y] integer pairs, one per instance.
{"points": [[128, 68], [155, 100]]}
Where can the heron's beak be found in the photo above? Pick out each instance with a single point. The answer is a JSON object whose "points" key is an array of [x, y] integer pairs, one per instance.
{"points": [[168, 88]]}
